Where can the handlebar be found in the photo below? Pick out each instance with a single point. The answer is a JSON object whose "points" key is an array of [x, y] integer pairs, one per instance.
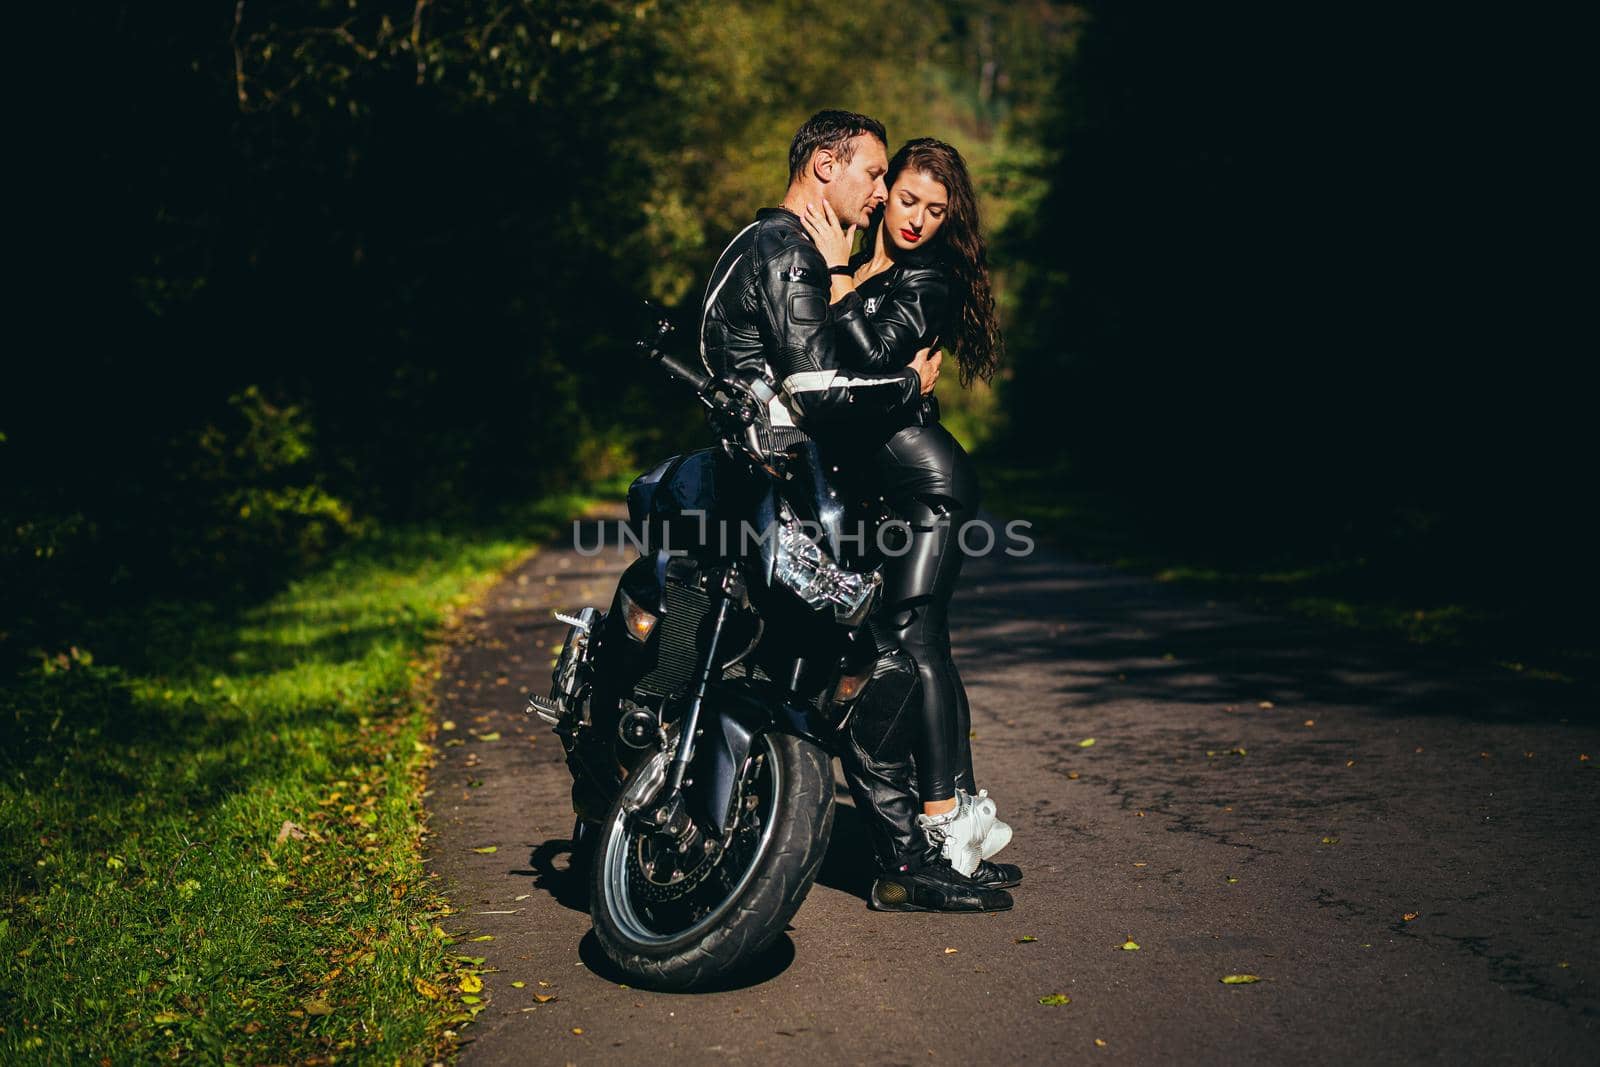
{"points": [[735, 407], [698, 380], [651, 348]]}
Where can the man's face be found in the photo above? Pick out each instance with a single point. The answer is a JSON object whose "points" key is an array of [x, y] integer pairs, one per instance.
{"points": [[857, 187]]}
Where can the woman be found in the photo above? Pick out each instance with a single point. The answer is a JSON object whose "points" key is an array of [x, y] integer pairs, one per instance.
{"points": [[922, 276]]}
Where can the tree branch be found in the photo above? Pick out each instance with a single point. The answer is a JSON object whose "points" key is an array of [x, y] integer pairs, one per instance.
{"points": [[238, 57]]}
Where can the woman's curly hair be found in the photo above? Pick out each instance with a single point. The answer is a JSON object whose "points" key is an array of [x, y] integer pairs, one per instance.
{"points": [[962, 251]]}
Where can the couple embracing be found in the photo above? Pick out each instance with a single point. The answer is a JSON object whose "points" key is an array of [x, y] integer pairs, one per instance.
{"points": [[849, 342]]}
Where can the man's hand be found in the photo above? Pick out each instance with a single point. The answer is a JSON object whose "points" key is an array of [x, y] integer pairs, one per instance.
{"points": [[926, 364], [832, 240]]}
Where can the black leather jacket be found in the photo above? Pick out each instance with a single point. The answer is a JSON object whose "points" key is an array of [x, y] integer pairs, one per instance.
{"points": [[766, 314], [883, 323], [911, 305]]}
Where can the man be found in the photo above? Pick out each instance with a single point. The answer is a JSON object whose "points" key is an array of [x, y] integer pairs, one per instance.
{"points": [[766, 314]]}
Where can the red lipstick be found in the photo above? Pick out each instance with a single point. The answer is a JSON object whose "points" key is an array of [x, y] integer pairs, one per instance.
{"points": [[910, 236]]}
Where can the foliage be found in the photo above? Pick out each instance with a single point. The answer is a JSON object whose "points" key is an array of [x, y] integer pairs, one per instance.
{"points": [[210, 831], [412, 236]]}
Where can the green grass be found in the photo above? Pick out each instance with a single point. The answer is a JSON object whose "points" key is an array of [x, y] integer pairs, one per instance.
{"points": [[1448, 611], [155, 900]]}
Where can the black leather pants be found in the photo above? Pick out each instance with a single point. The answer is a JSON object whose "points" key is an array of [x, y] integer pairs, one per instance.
{"points": [[909, 740], [929, 483]]}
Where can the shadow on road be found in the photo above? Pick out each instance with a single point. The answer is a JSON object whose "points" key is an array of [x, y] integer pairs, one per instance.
{"points": [[848, 865], [1118, 637], [567, 885]]}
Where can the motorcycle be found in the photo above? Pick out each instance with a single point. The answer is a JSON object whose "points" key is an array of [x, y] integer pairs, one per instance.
{"points": [[700, 711]]}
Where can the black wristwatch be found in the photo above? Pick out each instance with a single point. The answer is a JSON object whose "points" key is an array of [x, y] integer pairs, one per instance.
{"points": [[843, 268]]}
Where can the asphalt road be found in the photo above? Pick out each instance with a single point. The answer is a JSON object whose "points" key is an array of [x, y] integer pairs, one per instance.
{"points": [[1402, 850]]}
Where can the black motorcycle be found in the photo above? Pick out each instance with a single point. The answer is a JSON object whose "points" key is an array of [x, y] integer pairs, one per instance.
{"points": [[699, 712]]}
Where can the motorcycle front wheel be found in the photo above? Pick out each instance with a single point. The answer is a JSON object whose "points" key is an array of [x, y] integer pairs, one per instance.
{"points": [[675, 921]]}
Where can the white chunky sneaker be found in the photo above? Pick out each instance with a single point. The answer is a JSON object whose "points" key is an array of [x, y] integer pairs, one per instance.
{"points": [[997, 834], [959, 833]]}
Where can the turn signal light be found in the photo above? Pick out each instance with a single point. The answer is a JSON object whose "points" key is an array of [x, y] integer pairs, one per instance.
{"points": [[636, 620], [850, 687]]}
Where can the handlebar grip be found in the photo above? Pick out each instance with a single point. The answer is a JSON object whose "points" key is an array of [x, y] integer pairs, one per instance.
{"points": [[679, 369]]}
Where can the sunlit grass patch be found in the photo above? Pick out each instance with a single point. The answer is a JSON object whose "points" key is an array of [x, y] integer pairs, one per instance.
{"points": [[210, 841]]}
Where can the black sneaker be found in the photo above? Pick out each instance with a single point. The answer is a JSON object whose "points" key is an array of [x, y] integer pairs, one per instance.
{"points": [[993, 875], [935, 886]]}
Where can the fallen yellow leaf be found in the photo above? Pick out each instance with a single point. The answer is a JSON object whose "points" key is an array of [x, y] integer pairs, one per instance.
{"points": [[543, 998], [487, 850], [485, 937], [493, 735], [1099, 1042], [1130, 945], [948, 951], [1239, 979], [578, 1030], [471, 983], [518, 985], [1024, 939], [1086, 742], [1055, 1000], [317, 1007], [427, 989]]}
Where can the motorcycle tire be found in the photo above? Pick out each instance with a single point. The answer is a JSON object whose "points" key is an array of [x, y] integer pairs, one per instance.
{"points": [[750, 916]]}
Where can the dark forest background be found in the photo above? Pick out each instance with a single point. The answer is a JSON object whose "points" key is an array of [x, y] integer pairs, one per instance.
{"points": [[300, 270]]}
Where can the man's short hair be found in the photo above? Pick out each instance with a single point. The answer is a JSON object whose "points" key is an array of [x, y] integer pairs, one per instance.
{"points": [[833, 130]]}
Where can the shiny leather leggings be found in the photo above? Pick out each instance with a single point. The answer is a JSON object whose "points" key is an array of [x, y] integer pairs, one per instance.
{"points": [[928, 481]]}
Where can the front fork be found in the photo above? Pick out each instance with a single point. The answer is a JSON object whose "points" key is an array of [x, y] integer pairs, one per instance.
{"points": [[691, 719], [670, 813]]}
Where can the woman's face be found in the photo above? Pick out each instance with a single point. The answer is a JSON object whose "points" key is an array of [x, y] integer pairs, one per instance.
{"points": [[916, 209]]}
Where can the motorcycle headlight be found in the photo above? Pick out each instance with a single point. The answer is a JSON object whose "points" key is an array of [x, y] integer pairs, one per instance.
{"points": [[636, 620], [802, 567]]}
